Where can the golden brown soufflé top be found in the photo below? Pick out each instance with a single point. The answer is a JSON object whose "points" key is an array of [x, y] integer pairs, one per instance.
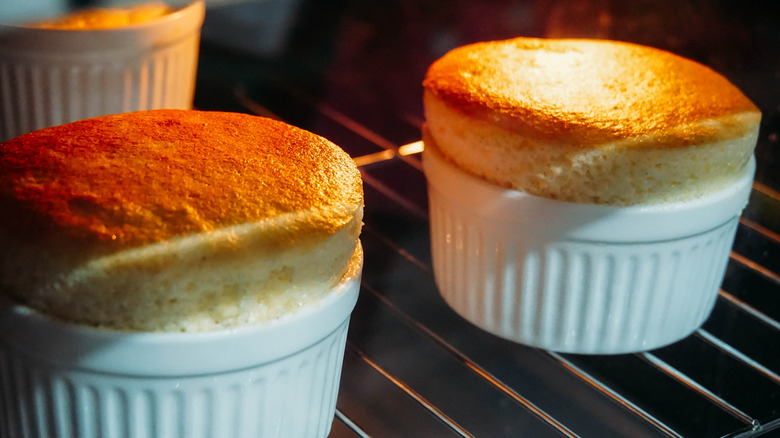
{"points": [[144, 177], [586, 92]]}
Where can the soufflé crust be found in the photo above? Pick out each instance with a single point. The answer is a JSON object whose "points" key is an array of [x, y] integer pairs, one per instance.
{"points": [[526, 110], [106, 218]]}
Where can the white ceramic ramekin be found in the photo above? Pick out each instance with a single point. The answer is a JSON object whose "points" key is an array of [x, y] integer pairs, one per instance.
{"points": [[578, 278], [279, 379], [49, 77]]}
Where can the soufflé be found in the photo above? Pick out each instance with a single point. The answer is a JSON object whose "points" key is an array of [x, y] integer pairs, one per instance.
{"points": [[175, 220], [584, 194]]}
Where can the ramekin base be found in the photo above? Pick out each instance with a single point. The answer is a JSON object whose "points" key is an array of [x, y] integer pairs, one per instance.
{"points": [[278, 379], [578, 278]]}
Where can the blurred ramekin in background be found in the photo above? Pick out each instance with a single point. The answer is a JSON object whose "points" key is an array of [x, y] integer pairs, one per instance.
{"points": [[54, 76]]}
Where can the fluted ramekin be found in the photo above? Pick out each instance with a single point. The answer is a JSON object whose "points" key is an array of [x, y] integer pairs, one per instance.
{"points": [[52, 76], [278, 379], [578, 278]]}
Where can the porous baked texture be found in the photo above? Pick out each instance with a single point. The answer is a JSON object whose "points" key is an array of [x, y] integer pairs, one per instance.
{"points": [[175, 220], [589, 121]]}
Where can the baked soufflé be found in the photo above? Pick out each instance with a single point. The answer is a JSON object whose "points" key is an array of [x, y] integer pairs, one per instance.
{"points": [[174, 220]]}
